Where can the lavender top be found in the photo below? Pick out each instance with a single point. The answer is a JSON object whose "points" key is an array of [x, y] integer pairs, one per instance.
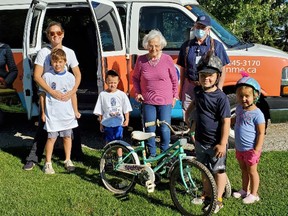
{"points": [[158, 84]]}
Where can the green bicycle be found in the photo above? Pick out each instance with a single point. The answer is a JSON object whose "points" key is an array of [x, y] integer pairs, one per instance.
{"points": [[187, 176]]}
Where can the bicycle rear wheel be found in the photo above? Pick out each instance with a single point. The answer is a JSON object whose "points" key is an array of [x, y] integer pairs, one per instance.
{"points": [[228, 189], [115, 181], [200, 196]]}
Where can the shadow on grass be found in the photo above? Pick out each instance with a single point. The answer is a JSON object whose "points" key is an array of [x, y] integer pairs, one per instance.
{"points": [[126, 197], [154, 200], [19, 152], [161, 186]]}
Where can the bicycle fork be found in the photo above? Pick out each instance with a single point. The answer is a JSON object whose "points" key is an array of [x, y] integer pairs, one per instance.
{"points": [[186, 175]]}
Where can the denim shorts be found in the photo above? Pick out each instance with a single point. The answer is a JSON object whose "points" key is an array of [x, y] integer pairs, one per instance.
{"points": [[206, 155], [64, 133], [249, 157]]}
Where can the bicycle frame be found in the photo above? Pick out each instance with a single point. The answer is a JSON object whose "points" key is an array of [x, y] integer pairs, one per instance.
{"points": [[176, 150]]}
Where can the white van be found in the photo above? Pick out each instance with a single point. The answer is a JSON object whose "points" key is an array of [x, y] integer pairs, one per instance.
{"points": [[107, 35]]}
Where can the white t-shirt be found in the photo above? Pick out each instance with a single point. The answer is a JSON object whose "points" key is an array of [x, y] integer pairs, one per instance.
{"points": [[112, 106], [43, 58], [59, 114]]}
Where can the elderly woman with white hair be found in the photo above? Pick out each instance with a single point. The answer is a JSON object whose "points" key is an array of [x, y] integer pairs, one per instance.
{"points": [[156, 87]]}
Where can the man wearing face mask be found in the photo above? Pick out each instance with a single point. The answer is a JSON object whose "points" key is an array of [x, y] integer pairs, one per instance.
{"points": [[190, 53]]}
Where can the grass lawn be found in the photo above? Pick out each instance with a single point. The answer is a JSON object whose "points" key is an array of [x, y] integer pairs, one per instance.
{"points": [[82, 193]]}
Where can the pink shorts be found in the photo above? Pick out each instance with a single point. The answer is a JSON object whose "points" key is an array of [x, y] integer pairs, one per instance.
{"points": [[249, 157]]}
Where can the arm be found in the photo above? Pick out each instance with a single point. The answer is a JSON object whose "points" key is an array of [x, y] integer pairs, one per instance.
{"points": [[220, 149], [136, 82], [260, 137], [174, 81], [12, 68], [77, 74], [189, 112], [222, 79], [126, 122], [75, 106], [222, 54], [100, 117], [182, 78], [42, 96]]}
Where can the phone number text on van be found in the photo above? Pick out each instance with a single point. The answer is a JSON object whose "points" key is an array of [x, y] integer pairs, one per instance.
{"points": [[236, 66]]}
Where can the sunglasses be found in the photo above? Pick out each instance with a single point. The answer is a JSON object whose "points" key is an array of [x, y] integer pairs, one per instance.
{"points": [[59, 33]]}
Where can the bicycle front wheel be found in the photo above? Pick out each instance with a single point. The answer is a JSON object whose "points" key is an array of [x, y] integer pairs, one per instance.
{"points": [[115, 181], [199, 195]]}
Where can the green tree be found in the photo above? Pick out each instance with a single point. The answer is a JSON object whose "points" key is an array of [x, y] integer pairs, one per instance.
{"points": [[261, 21]]}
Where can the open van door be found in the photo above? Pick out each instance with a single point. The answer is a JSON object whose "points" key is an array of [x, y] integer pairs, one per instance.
{"points": [[31, 45], [101, 41]]}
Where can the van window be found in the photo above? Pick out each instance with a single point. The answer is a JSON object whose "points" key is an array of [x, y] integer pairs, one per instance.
{"points": [[34, 28], [122, 14], [12, 33], [173, 24], [224, 34], [110, 32]]}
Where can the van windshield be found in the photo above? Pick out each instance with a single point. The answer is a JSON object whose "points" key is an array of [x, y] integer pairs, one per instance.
{"points": [[230, 40]]}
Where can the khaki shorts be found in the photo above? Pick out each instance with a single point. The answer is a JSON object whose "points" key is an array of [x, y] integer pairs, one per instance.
{"points": [[64, 133]]}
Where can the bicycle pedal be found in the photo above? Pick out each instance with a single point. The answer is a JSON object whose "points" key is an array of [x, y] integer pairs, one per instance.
{"points": [[150, 186]]}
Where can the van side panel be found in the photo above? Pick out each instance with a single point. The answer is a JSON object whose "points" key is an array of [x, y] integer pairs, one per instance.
{"points": [[118, 63], [18, 58], [267, 71]]}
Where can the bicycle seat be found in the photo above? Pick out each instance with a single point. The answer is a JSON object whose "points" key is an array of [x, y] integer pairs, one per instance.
{"points": [[140, 135]]}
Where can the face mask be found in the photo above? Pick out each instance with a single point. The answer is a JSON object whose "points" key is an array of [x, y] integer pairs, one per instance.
{"points": [[199, 33]]}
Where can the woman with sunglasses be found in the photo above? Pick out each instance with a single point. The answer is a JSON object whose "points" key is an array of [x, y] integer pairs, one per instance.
{"points": [[42, 64], [55, 34]]}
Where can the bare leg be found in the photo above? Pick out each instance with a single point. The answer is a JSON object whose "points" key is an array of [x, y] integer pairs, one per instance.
{"points": [[245, 176], [119, 152], [254, 179], [221, 180], [49, 148], [67, 142]]}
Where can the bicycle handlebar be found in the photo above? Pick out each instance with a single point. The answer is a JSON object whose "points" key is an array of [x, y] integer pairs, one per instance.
{"points": [[158, 122]]}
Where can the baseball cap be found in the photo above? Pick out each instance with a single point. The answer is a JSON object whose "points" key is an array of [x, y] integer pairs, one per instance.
{"points": [[204, 20]]}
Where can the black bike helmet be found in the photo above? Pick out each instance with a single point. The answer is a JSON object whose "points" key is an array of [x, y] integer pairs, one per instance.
{"points": [[210, 64]]}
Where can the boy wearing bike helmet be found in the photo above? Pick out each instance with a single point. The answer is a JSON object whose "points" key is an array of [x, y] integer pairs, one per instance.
{"points": [[212, 123], [249, 137]]}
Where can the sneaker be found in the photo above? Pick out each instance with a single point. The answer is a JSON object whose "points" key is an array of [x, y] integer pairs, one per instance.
{"points": [[200, 200], [197, 201], [152, 157], [251, 199], [29, 165], [48, 169], [219, 206], [69, 166], [240, 194]]}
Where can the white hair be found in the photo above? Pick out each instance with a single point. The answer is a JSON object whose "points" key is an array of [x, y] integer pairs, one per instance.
{"points": [[151, 35]]}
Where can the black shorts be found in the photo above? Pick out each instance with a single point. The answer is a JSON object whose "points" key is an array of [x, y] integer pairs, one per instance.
{"points": [[206, 155]]}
